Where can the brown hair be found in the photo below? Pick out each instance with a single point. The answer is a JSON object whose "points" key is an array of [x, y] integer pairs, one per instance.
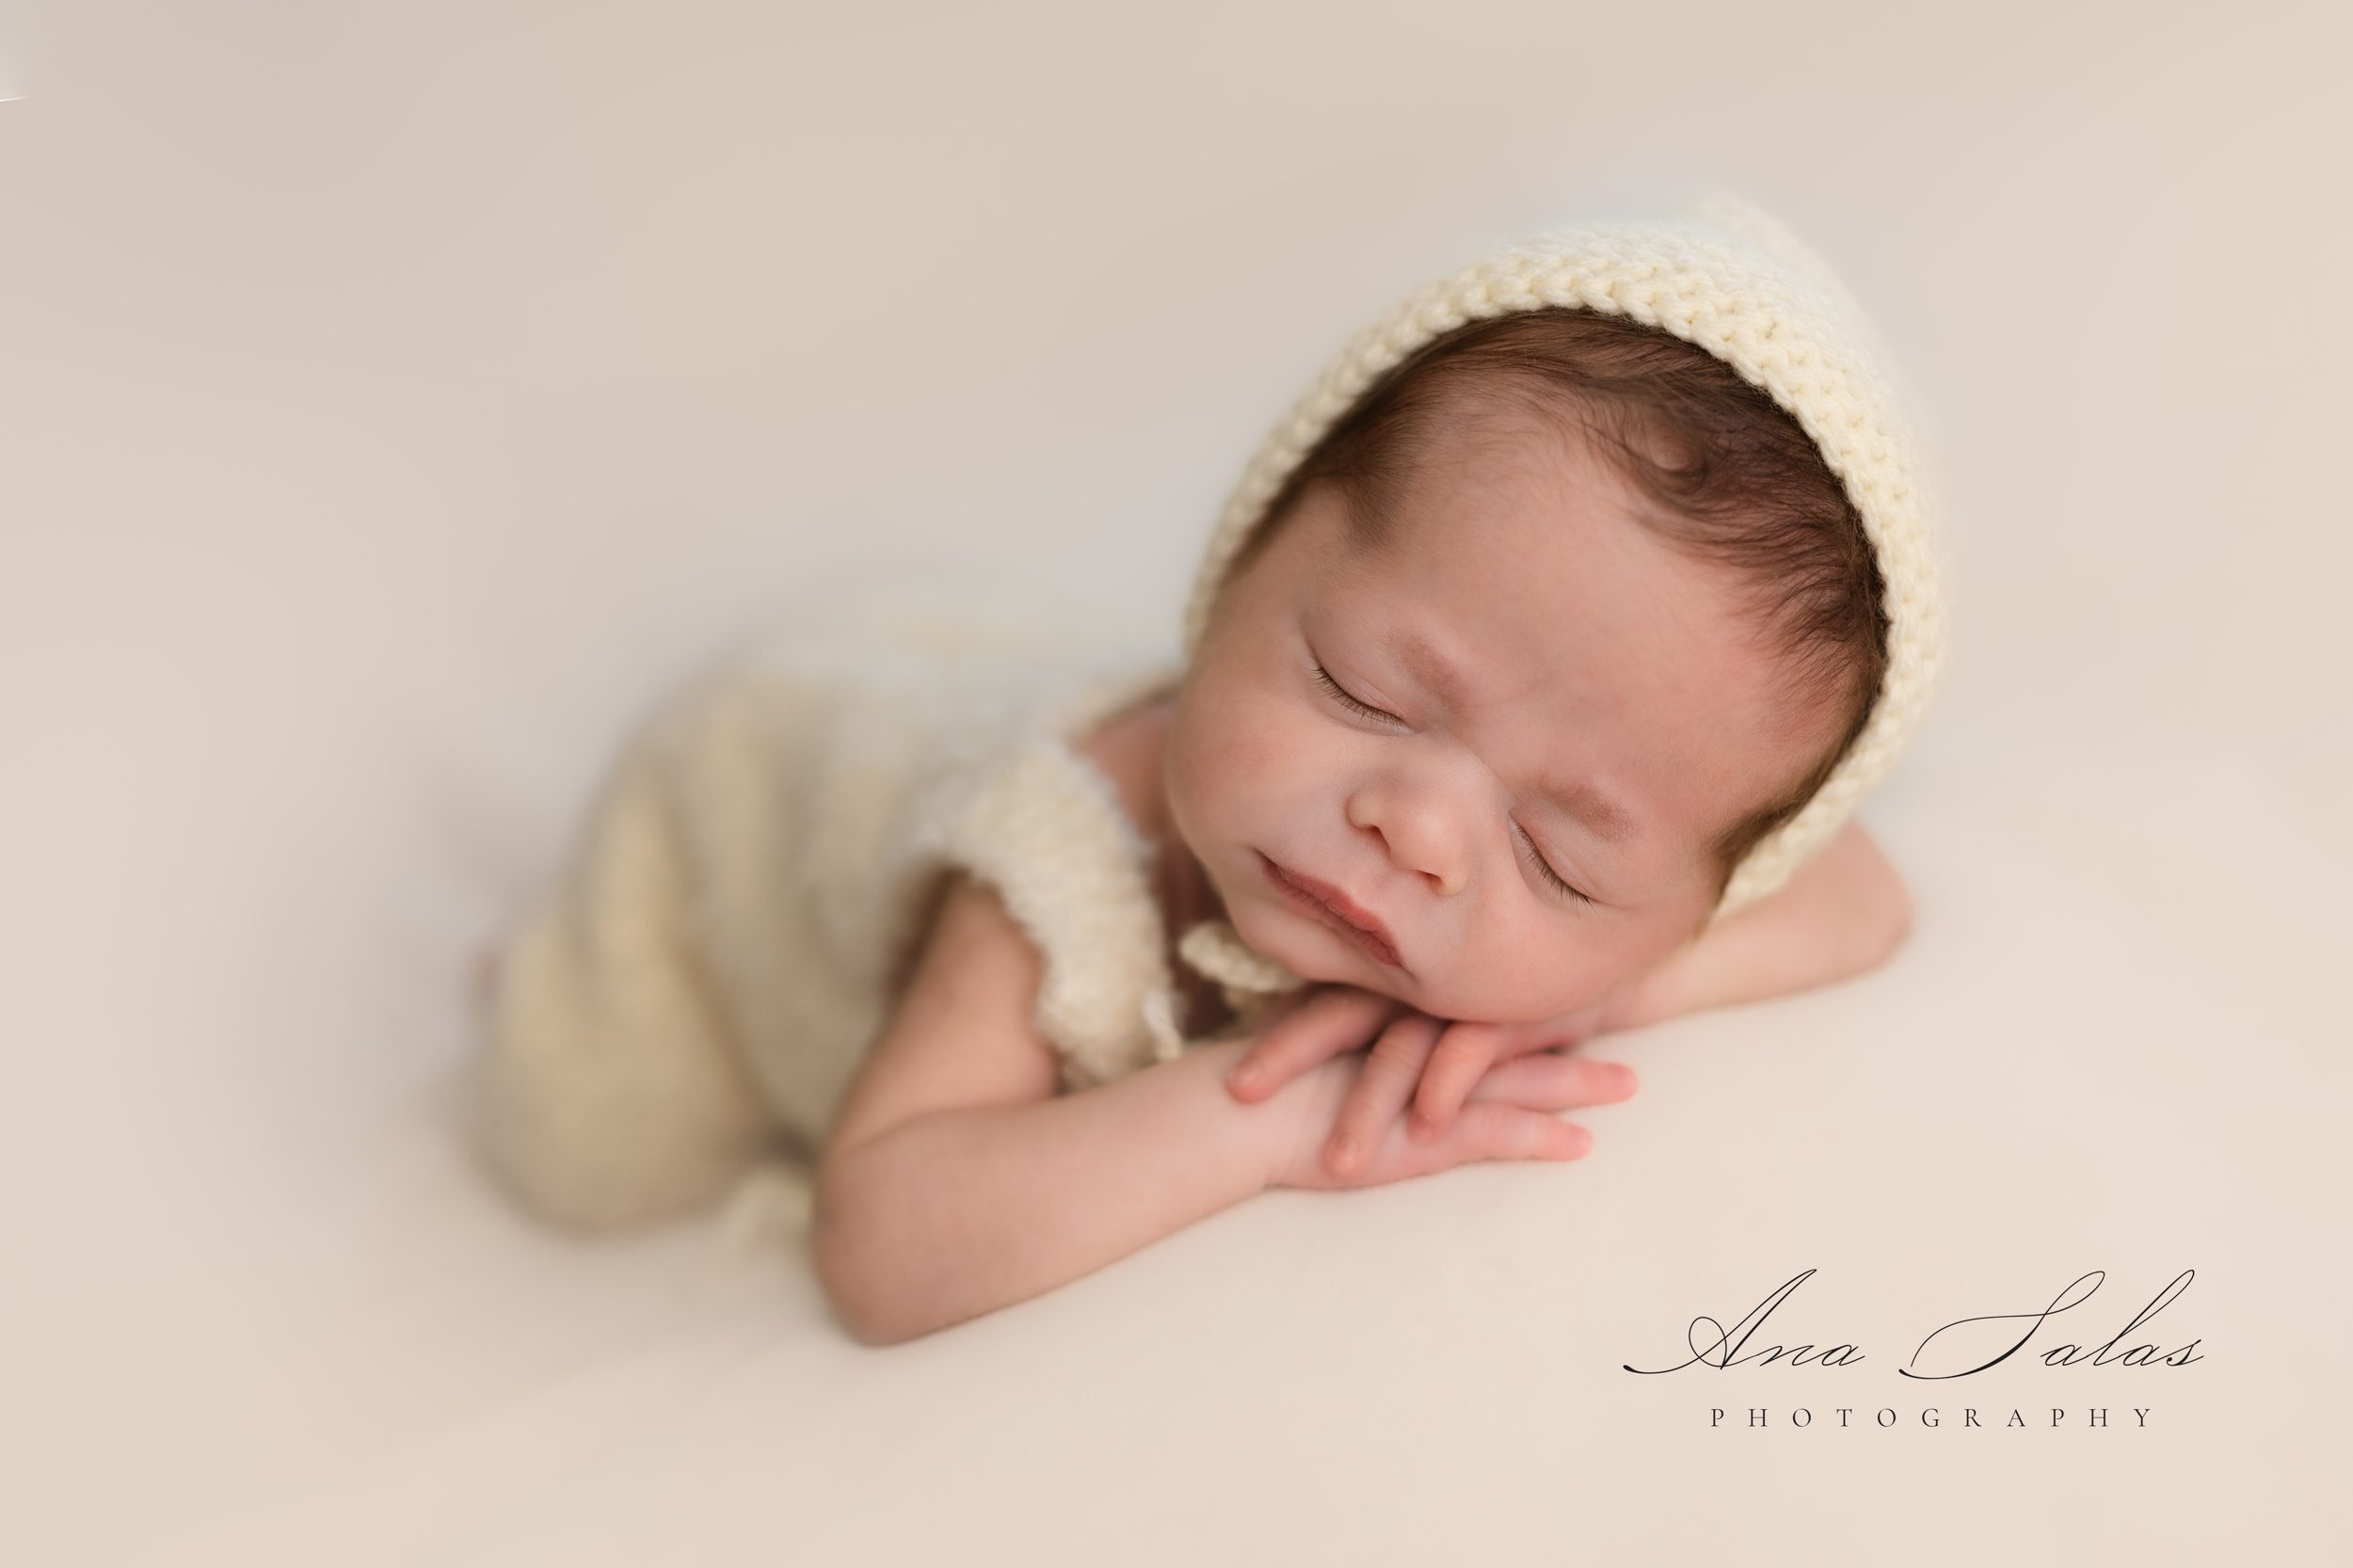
{"points": [[1733, 477]]}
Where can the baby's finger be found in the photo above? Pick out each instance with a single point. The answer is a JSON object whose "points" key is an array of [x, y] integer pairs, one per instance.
{"points": [[1331, 1021], [1491, 1129], [1546, 1082], [1380, 1090], [1462, 1056]]}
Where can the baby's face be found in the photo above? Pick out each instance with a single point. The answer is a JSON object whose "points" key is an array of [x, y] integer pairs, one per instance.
{"points": [[1583, 653]]}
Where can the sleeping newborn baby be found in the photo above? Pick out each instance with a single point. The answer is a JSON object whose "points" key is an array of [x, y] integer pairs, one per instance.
{"points": [[1531, 678]]}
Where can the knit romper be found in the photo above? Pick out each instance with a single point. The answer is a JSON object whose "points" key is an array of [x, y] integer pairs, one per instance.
{"points": [[685, 1006]]}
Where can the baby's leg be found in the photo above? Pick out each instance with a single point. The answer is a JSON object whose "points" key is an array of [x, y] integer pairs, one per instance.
{"points": [[610, 1091]]}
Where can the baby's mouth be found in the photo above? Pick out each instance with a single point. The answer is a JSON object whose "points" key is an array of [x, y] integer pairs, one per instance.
{"points": [[1338, 910]]}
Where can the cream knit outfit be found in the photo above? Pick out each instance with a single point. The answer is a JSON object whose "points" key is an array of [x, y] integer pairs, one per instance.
{"points": [[691, 998], [684, 1009]]}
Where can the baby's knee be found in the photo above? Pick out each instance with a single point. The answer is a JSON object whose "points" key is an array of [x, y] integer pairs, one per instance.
{"points": [[609, 1097]]}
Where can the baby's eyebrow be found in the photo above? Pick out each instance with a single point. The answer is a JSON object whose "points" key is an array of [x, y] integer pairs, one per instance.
{"points": [[1580, 798], [1428, 665], [1610, 822]]}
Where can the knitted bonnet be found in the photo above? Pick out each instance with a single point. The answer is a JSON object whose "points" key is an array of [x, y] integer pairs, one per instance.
{"points": [[1725, 277]]}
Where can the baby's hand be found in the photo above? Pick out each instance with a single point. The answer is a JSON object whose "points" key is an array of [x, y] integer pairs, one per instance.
{"points": [[1510, 1114], [1447, 1062]]}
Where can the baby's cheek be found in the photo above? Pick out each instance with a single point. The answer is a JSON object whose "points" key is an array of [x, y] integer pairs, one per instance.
{"points": [[1229, 744], [1541, 975]]}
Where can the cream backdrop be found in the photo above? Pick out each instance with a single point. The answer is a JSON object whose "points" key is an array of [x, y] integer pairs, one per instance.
{"points": [[394, 397]]}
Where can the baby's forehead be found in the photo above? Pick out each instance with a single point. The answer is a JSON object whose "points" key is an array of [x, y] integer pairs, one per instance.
{"points": [[1645, 631], [1538, 465]]}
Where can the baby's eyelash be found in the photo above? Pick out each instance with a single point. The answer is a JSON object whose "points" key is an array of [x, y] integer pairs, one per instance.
{"points": [[1519, 834], [1333, 686], [1543, 868]]}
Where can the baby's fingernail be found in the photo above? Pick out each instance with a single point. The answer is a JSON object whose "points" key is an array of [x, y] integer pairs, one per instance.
{"points": [[1421, 1130], [1343, 1153], [1628, 1082], [1243, 1076]]}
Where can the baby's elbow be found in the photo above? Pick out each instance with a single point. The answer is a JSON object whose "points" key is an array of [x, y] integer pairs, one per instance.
{"points": [[875, 1314], [837, 1252], [850, 1300], [852, 1263], [861, 1323]]}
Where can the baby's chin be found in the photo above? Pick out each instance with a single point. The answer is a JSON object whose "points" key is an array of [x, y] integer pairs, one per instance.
{"points": [[1434, 994], [1317, 965], [1302, 947], [1442, 996], [1297, 950]]}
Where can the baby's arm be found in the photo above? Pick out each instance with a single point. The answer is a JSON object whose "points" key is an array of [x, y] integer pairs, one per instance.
{"points": [[955, 1181], [1843, 912]]}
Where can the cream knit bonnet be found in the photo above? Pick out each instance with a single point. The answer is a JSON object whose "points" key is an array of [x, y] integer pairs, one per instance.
{"points": [[1732, 280]]}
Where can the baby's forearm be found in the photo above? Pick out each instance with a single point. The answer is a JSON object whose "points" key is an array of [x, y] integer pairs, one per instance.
{"points": [[958, 1212], [1843, 912]]}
